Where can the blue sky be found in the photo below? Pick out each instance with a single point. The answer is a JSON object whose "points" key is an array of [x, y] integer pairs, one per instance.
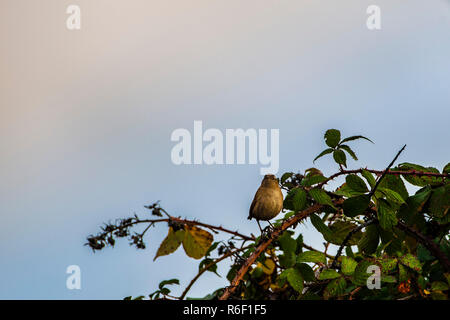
{"points": [[86, 118]]}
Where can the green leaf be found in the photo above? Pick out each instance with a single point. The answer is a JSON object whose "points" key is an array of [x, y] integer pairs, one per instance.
{"points": [[439, 286], [335, 288], [356, 183], [349, 151], [340, 230], [312, 180], [321, 197], [295, 279], [355, 138], [339, 157], [388, 278], [287, 244], [346, 191], [295, 200], [207, 261], [306, 271], [446, 168], [369, 177], [387, 264], [311, 256], [411, 261], [394, 183], [356, 205], [360, 275], [324, 152], [285, 176], [392, 196], [332, 137], [170, 243], [212, 247], [329, 274], [420, 181], [287, 259], [348, 265], [318, 223], [166, 282], [386, 215], [440, 201], [369, 241]]}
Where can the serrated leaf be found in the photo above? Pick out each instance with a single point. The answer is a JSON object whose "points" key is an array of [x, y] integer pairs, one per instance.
{"points": [[196, 242], [324, 152], [329, 274], [318, 223], [369, 177], [356, 183], [340, 157], [411, 261], [360, 275], [295, 279], [170, 243], [346, 191], [392, 196], [395, 183], [306, 271], [356, 205], [349, 151], [287, 259], [340, 230], [321, 197], [388, 279], [312, 180], [167, 282], [311, 256], [420, 181], [386, 215], [369, 241], [335, 288], [439, 286], [287, 244], [348, 265], [295, 200], [387, 264], [285, 176], [446, 168], [440, 201], [355, 138], [332, 137]]}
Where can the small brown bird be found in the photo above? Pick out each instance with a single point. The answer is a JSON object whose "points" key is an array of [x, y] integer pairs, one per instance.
{"points": [[268, 200]]}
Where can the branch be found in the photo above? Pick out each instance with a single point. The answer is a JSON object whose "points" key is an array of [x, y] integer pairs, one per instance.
{"points": [[380, 172], [263, 246], [371, 193], [385, 171], [207, 267], [427, 243], [181, 221]]}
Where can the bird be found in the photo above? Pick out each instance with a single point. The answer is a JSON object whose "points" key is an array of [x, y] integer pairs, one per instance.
{"points": [[268, 200]]}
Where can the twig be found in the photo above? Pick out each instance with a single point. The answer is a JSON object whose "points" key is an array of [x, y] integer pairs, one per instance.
{"points": [[181, 221], [207, 267], [380, 172]]}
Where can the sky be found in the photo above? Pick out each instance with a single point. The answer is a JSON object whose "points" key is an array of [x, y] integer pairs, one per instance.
{"points": [[86, 118]]}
